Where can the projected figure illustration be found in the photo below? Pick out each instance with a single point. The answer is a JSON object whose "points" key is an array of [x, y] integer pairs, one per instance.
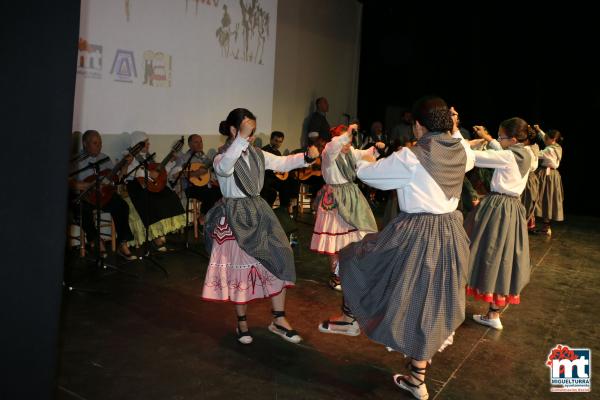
{"points": [[254, 26], [263, 33], [148, 56], [224, 32], [127, 9], [207, 2]]}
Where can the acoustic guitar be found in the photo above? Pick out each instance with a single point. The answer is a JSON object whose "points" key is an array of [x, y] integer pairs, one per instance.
{"points": [[109, 179], [312, 170], [157, 184], [282, 175], [106, 190], [201, 180]]}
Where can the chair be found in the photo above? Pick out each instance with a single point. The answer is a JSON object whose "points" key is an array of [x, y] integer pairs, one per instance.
{"points": [[304, 198], [194, 209], [107, 230]]}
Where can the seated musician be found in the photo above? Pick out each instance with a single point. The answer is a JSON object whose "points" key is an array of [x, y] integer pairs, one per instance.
{"points": [[194, 168], [161, 212], [284, 184], [116, 206], [312, 175]]}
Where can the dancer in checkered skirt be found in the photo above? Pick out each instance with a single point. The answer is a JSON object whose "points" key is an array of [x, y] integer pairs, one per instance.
{"points": [[550, 203], [530, 195], [250, 255], [499, 261], [343, 215], [405, 286]]}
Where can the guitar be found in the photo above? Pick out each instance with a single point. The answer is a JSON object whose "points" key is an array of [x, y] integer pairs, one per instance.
{"points": [[201, 180], [108, 189], [281, 175], [158, 184], [312, 170]]}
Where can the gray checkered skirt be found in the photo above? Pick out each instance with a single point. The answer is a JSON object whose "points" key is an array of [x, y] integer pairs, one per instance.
{"points": [[499, 265], [406, 284], [530, 195], [551, 195]]}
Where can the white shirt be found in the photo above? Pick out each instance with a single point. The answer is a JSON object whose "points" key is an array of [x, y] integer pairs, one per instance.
{"points": [[331, 173], [534, 157], [549, 157], [224, 164], [507, 178], [417, 191]]}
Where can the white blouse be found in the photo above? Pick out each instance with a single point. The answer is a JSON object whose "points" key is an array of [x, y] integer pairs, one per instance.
{"points": [[534, 157], [549, 157], [507, 178], [417, 191], [224, 164], [331, 173]]}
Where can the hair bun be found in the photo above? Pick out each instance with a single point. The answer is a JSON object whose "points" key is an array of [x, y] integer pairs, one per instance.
{"points": [[224, 128]]}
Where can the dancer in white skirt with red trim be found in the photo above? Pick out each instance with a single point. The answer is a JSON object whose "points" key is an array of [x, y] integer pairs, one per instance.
{"points": [[343, 214], [250, 255]]}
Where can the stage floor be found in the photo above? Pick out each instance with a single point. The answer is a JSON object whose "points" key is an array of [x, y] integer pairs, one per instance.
{"points": [[152, 337]]}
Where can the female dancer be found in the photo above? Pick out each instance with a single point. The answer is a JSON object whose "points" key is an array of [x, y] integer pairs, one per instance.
{"points": [[530, 195], [499, 262], [405, 284], [550, 204], [250, 255], [343, 215]]}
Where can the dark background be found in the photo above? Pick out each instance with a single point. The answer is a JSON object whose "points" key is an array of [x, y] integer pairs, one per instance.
{"points": [[39, 53], [541, 66]]}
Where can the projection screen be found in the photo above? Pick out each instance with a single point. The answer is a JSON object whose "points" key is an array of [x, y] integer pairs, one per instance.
{"points": [[173, 66]]}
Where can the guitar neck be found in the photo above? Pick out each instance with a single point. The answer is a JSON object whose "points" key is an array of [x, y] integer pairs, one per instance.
{"points": [[165, 160], [173, 150]]}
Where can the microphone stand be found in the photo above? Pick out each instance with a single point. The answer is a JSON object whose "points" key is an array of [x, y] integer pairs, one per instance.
{"points": [[147, 255], [67, 282], [141, 162], [186, 169]]}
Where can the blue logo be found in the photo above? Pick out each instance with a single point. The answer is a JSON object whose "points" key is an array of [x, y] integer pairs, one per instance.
{"points": [[123, 67]]}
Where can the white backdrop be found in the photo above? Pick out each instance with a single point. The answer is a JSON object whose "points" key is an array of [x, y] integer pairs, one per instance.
{"points": [[174, 66]]}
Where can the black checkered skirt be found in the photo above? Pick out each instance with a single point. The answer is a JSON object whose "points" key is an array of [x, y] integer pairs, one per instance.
{"points": [[406, 284]]}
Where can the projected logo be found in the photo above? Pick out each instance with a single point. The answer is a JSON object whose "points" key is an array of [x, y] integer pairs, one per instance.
{"points": [[570, 369], [157, 69], [123, 67], [89, 59], [245, 40]]}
